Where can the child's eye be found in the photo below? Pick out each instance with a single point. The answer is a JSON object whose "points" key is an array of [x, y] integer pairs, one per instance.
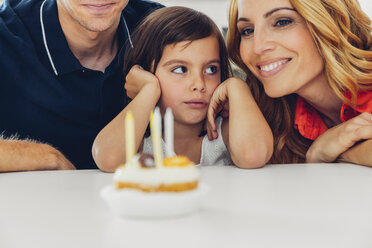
{"points": [[246, 32], [283, 22], [180, 69], [211, 69]]}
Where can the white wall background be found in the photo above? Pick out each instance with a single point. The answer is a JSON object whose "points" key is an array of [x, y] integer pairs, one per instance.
{"points": [[218, 9], [367, 7]]}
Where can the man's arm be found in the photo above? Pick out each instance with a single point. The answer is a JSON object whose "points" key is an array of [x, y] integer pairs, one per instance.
{"points": [[19, 155], [359, 154]]}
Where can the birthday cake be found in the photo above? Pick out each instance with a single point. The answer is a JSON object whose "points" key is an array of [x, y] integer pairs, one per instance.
{"points": [[176, 174], [153, 186], [153, 173]]}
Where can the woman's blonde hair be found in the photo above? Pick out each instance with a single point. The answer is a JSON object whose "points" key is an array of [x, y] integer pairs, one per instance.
{"points": [[342, 33]]}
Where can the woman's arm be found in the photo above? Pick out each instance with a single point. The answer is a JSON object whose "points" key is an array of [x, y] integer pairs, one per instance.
{"points": [[247, 135], [359, 154], [109, 146], [339, 141]]}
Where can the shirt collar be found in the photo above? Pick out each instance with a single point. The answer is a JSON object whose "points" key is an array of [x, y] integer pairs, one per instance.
{"points": [[309, 123], [60, 56], [61, 59], [363, 104]]}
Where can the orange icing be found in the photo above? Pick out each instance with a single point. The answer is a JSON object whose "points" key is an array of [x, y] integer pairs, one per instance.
{"points": [[176, 161]]}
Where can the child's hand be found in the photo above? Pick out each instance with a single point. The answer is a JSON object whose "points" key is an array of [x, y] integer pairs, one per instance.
{"points": [[219, 102], [136, 79], [335, 141]]}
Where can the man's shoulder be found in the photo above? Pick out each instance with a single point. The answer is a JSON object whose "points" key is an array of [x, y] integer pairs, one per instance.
{"points": [[19, 25], [15, 14], [142, 7], [136, 10], [19, 7]]}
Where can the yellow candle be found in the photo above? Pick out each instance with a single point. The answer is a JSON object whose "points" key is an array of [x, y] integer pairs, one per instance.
{"points": [[155, 126], [129, 136]]}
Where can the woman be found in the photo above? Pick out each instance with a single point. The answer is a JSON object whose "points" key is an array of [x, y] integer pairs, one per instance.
{"points": [[307, 62]]}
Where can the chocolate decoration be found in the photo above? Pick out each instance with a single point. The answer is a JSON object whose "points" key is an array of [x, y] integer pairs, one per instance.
{"points": [[146, 161]]}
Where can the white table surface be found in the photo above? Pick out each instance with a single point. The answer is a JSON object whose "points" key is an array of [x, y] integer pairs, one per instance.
{"points": [[308, 205]]}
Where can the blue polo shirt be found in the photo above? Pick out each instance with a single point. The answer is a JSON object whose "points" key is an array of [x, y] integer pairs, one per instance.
{"points": [[45, 93]]}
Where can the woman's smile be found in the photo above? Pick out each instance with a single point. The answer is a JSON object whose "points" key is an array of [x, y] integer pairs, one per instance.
{"points": [[272, 67]]}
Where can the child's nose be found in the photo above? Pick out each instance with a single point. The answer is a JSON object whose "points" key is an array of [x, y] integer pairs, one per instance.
{"points": [[199, 88], [198, 83]]}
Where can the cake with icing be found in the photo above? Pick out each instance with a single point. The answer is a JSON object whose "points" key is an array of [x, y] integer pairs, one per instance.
{"points": [[176, 174]]}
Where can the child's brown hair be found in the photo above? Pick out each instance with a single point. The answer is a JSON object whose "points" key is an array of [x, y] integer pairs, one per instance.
{"points": [[170, 25]]}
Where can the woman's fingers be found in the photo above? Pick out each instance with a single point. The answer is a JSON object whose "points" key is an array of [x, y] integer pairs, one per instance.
{"points": [[364, 118], [356, 129], [330, 145], [355, 133]]}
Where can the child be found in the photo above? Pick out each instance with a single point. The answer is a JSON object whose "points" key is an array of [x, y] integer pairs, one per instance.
{"points": [[186, 55]]}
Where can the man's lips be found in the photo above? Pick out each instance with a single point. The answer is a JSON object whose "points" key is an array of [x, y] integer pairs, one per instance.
{"points": [[98, 6]]}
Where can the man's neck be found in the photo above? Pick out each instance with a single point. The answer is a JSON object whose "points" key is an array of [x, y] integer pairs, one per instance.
{"points": [[94, 50]]}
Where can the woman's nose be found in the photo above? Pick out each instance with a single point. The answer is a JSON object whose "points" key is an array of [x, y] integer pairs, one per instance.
{"points": [[262, 41]]}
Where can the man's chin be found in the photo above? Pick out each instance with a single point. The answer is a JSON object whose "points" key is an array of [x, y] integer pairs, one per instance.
{"points": [[97, 26]]}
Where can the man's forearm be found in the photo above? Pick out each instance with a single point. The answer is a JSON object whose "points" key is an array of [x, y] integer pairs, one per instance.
{"points": [[359, 154], [18, 155]]}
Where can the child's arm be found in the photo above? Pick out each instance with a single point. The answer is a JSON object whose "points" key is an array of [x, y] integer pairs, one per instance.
{"points": [[109, 146], [246, 133]]}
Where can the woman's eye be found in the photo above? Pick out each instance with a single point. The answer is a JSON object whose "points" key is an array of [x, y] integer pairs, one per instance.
{"points": [[247, 31], [211, 69], [283, 22], [179, 69]]}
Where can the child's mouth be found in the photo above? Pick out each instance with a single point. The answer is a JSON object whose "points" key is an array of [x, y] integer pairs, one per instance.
{"points": [[199, 104]]}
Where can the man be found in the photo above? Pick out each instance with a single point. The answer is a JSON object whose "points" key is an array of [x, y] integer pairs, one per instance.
{"points": [[61, 77]]}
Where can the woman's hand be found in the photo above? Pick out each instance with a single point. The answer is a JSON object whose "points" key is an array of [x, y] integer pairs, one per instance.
{"points": [[136, 79], [337, 140]]}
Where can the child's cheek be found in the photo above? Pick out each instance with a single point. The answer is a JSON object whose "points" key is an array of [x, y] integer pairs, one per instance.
{"points": [[215, 85]]}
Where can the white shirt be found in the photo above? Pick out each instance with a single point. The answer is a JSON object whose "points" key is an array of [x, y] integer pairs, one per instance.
{"points": [[213, 152]]}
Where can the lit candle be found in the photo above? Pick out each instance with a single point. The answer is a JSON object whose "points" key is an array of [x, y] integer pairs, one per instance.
{"points": [[129, 136], [169, 132], [155, 126]]}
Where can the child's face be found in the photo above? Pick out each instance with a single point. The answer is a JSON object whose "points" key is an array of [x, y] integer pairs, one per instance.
{"points": [[188, 74]]}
